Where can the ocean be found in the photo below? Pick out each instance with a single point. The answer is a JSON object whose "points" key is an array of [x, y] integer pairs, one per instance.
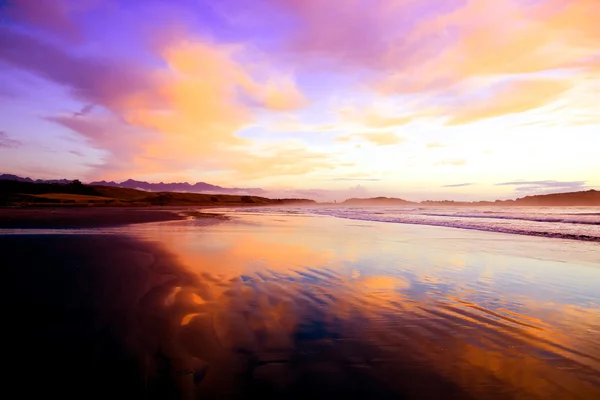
{"points": [[581, 223]]}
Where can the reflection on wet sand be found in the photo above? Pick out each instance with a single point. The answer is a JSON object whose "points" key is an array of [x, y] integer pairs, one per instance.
{"points": [[285, 309], [283, 312]]}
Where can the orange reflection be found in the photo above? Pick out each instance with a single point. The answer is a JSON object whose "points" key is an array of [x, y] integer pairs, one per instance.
{"points": [[288, 299]]}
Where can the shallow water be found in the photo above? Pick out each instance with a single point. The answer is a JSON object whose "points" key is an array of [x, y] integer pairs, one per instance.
{"points": [[580, 223], [425, 312], [294, 305]]}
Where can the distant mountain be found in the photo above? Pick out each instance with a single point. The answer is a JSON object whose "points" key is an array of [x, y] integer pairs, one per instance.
{"points": [[198, 187], [378, 201], [10, 177], [571, 199], [588, 198]]}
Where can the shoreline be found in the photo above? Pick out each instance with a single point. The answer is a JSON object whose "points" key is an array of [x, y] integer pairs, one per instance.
{"points": [[79, 217]]}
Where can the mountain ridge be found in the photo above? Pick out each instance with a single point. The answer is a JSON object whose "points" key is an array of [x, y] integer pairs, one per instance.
{"points": [[581, 198], [198, 187]]}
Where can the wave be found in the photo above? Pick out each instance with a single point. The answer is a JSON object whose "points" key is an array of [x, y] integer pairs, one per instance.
{"points": [[455, 224], [556, 226], [522, 218]]}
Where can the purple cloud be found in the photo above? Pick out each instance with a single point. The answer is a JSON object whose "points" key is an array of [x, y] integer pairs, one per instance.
{"points": [[52, 16], [8, 143], [92, 80], [85, 110]]}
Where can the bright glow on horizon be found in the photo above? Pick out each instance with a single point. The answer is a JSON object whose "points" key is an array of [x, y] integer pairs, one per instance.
{"points": [[328, 99]]}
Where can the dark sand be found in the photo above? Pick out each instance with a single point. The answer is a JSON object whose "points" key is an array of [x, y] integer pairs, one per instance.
{"points": [[81, 217], [94, 316], [85, 317]]}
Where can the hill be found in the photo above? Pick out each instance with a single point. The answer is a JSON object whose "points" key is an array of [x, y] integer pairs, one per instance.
{"points": [[198, 187], [23, 193], [587, 198], [572, 199]]}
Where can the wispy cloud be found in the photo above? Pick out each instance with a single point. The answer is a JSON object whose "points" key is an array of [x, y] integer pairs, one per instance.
{"points": [[85, 110], [7, 143], [455, 163], [357, 179], [385, 138], [515, 97], [76, 153], [434, 145], [459, 185], [548, 186]]}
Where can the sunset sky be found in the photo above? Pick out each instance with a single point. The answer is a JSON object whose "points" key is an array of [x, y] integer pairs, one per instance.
{"points": [[421, 99]]}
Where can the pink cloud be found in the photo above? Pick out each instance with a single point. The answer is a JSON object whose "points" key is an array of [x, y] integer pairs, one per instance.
{"points": [[54, 16]]}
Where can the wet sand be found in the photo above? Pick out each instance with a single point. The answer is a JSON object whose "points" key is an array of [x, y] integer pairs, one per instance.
{"points": [[85, 317], [81, 217], [302, 307]]}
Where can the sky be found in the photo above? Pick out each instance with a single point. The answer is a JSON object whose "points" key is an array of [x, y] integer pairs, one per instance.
{"points": [[420, 99]]}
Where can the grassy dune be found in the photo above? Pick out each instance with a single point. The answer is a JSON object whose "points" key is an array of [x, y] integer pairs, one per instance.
{"points": [[14, 193]]}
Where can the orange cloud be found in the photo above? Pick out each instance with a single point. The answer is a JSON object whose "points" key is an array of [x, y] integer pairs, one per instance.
{"points": [[434, 145], [455, 163], [475, 40], [384, 138], [206, 97], [381, 121], [387, 138], [520, 96], [282, 160]]}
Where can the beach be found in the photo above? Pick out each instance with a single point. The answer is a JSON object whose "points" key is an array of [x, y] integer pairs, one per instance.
{"points": [[82, 217], [294, 305]]}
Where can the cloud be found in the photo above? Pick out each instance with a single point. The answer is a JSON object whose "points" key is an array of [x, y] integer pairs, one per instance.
{"points": [[76, 153], [429, 45], [549, 186], [178, 93], [385, 138], [357, 179], [282, 160], [164, 115], [54, 16], [455, 163], [119, 139], [434, 145], [459, 185], [343, 139], [85, 110], [93, 80], [515, 97], [374, 120], [7, 143], [548, 183], [371, 34], [382, 138]]}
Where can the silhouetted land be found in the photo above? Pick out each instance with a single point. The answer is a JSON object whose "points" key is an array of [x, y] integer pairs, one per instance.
{"points": [[86, 318], [17, 193], [26, 194], [584, 198]]}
